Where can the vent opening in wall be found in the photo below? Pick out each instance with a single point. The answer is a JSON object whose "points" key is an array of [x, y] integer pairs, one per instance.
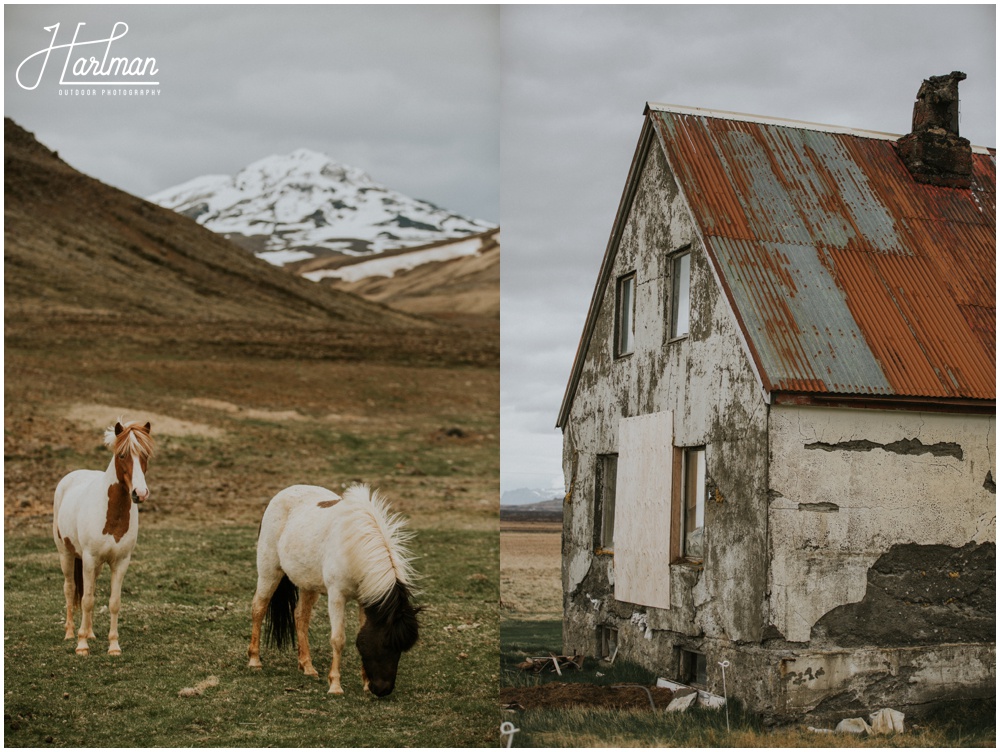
{"points": [[692, 668], [609, 643]]}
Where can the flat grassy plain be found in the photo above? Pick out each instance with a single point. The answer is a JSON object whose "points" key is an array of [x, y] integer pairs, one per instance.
{"points": [[240, 411], [530, 580], [186, 617]]}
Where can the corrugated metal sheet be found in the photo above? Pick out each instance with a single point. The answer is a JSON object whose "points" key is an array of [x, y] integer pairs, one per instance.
{"points": [[848, 277]]}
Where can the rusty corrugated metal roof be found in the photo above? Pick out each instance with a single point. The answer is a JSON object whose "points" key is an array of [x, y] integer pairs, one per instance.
{"points": [[847, 276]]}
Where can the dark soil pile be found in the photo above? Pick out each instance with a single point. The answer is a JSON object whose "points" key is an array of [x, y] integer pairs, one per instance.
{"points": [[563, 695]]}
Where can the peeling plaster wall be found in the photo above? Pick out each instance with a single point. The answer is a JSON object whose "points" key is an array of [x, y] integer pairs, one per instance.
{"points": [[846, 486], [706, 381]]}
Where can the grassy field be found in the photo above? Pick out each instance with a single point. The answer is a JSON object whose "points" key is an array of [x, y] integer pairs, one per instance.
{"points": [[530, 582], [240, 412], [186, 617]]}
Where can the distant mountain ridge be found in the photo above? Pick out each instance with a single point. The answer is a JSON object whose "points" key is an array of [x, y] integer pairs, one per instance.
{"points": [[521, 496], [287, 208]]}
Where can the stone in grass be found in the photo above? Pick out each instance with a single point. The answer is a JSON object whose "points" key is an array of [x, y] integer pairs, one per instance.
{"points": [[682, 700], [199, 688], [853, 726]]}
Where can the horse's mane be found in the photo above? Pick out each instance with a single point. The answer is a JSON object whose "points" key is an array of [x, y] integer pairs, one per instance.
{"points": [[380, 545], [134, 439]]}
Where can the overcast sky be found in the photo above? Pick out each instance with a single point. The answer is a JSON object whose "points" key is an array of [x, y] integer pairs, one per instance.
{"points": [[410, 94], [575, 81], [526, 115]]}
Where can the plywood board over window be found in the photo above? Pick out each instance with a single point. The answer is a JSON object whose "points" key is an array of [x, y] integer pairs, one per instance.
{"points": [[642, 510]]}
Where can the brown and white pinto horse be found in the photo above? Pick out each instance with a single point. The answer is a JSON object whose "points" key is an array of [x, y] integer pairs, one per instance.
{"points": [[351, 548], [95, 522]]}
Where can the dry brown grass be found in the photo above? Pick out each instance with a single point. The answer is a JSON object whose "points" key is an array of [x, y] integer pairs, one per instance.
{"points": [[530, 570]]}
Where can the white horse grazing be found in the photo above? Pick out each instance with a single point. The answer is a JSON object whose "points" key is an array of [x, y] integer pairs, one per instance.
{"points": [[95, 522], [351, 548]]}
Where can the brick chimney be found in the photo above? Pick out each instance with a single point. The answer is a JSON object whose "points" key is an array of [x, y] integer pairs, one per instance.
{"points": [[934, 153]]}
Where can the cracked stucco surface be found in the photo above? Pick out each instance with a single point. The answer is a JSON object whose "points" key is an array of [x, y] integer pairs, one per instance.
{"points": [[821, 560]]}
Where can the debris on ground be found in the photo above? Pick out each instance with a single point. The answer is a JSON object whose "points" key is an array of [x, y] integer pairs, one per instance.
{"points": [[570, 694]]}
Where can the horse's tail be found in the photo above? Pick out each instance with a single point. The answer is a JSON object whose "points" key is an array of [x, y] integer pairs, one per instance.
{"points": [[279, 622], [78, 580]]}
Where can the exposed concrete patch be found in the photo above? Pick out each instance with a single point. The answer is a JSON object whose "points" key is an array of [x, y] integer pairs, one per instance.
{"points": [[102, 416], [820, 506], [903, 446], [920, 595]]}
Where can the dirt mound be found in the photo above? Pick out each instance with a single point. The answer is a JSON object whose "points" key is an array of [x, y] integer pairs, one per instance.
{"points": [[563, 695], [100, 417]]}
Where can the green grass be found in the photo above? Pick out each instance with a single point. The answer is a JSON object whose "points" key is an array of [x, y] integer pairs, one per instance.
{"points": [[185, 617], [966, 725]]}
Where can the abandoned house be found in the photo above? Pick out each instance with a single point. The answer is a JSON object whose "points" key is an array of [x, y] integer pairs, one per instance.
{"points": [[778, 433]]}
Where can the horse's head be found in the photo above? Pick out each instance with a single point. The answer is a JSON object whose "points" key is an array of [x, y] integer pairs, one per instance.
{"points": [[133, 446], [389, 630]]}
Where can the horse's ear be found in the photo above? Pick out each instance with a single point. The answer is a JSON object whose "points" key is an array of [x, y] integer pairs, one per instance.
{"points": [[118, 429], [147, 426]]}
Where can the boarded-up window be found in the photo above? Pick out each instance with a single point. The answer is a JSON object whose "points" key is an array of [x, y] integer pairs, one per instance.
{"points": [[625, 315], [604, 502], [642, 510]]}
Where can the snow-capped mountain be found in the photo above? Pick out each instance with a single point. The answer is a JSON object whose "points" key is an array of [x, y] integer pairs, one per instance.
{"points": [[301, 205]]}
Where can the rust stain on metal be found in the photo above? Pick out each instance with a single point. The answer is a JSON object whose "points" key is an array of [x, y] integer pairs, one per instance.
{"points": [[849, 276]]}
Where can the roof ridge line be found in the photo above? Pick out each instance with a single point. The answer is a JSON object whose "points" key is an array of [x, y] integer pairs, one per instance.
{"points": [[782, 122]]}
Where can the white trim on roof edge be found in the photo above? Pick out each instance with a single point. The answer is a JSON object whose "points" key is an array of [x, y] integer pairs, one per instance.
{"points": [[746, 118]]}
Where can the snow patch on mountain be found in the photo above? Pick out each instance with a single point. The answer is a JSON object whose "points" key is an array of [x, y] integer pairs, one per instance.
{"points": [[387, 266], [304, 204]]}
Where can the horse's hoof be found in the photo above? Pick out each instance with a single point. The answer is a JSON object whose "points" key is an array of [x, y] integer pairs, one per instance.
{"points": [[335, 691], [255, 663], [114, 651], [83, 651], [309, 671]]}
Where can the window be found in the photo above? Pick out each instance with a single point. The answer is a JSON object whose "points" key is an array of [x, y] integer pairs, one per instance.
{"points": [[609, 643], [604, 503], [681, 305], [625, 315], [693, 504], [692, 668]]}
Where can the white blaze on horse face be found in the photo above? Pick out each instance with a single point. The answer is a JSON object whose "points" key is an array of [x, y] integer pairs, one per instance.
{"points": [[139, 480]]}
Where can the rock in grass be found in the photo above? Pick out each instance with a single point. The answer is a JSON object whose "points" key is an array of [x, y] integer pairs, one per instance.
{"points": [[199, 688]]}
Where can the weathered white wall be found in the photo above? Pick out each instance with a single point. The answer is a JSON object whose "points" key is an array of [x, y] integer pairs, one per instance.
{"points": [[705, 381], [857, 504]]}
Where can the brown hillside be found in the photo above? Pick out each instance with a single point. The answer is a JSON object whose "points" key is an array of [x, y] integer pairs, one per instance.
{"points": [[464, 286], [73, 245]]}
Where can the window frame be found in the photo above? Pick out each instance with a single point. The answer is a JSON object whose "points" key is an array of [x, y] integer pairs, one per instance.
{"points": [[676, 258], [689, 672], [620, 351], [607, 643], [681, 490], [605, 488]]}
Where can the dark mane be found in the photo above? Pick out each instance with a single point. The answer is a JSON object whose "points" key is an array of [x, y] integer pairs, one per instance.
{"points": [[394, 619]]}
